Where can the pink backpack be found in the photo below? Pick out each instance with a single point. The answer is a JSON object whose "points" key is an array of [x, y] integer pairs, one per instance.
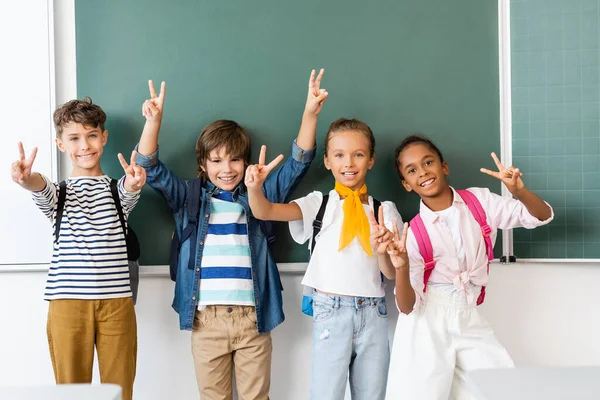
{"points": [[424, 241]]}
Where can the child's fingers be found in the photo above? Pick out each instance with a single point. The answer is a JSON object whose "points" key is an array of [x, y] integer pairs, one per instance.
{"points": [[515, 176], [490, 173], [123, 162], [132, 160], [311, 80], [31, 158], [381, 220], [372, 220], [318, 80], [21, 152], [163, 91], [152, 90], [262, 155], [404, 235], [497, 162], [322, 96], [152, 108], [273, 163]]}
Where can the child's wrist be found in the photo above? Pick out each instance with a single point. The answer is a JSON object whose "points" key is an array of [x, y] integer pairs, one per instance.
{"points": [[309, 114]]}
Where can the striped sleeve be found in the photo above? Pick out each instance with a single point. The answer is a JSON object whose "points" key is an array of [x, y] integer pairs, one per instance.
{"points": [[47, 198], [128, 199]]}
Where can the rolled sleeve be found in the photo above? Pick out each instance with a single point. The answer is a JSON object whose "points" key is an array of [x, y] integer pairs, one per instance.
{"points": [[146, 161], [301, 155]]}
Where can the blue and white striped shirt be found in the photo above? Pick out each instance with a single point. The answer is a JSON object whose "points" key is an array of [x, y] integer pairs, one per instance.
{"points": [[90, 259], [226, 274]]}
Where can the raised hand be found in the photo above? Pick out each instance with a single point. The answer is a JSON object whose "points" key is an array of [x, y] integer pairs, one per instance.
{"points": [[135, 176], [316, 96], [380, 235], [21, 169], [397, 247], [257, 173], [152, 109], [510, 176]]}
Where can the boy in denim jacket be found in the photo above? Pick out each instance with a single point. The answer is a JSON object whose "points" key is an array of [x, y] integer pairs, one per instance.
{"points": [[230, 296]]}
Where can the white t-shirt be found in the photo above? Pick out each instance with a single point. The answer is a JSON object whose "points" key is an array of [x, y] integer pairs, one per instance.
{"points": [[349, 272]]}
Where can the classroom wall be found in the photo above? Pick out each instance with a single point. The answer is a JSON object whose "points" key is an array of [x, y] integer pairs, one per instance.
{"points": [[544, 313]]}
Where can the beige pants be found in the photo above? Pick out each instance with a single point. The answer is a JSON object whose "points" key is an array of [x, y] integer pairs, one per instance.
{"points": [[75, 326], [224, 338]]}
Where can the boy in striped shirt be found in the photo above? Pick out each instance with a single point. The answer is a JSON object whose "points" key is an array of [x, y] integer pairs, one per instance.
{"points": [[88, 286], [227, 289]]}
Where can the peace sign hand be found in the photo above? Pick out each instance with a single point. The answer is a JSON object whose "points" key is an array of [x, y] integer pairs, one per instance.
{"points": [[380, 235], [510, 176], [316, 96], [135, 176], [397, 247], [21, 169], [152, 109], [257, 173]]}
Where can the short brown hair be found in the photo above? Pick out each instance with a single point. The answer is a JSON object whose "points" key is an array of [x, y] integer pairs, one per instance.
{"points": [[83, 112], [343, 124], [218, 134]]}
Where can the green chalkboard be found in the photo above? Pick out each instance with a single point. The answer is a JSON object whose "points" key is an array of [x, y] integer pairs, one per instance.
{"points": [[401, 66]]}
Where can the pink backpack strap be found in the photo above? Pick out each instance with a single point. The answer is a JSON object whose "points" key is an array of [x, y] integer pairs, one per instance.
{"points": [[479, 214], [425, 248]]}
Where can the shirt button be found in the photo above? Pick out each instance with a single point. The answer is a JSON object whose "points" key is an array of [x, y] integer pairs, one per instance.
{"points": [[193, 297], [229, 309], [197, 269], [201, 243], [205, 215]]}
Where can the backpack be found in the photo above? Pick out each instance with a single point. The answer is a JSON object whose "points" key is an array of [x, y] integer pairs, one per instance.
{"points": [[190, 231], [307, 299], [131, 240], [424, 242]]}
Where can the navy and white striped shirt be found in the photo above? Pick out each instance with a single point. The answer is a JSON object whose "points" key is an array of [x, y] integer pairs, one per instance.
{"points": [[90, 259]]}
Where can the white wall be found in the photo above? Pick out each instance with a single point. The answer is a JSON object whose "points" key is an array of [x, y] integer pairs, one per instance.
{"points": [[545, 314]]}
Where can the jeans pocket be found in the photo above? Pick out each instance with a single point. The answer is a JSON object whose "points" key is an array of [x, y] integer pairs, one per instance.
{"points": [[321, 312], [381, 309]]}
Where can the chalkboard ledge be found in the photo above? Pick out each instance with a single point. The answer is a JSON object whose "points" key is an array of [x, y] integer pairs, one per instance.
{"points": [[145, 270]]}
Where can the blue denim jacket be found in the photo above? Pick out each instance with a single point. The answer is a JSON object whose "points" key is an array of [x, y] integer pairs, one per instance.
{"points": [[265, 275]]}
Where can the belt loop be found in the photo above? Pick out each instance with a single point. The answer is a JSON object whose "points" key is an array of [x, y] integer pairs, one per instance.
{"points": [[336, 303]]}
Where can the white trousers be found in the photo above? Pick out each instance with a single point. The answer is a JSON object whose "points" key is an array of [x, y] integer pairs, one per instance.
{"points": [[436, 345]]}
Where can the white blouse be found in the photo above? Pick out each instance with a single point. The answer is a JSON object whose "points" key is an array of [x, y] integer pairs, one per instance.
{"points": [[351, 271]]}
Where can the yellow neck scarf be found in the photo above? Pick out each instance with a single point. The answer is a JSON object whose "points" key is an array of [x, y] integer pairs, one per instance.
{"points": [[355, 221]]}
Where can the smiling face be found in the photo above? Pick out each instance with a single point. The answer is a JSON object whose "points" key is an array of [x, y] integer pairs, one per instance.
{"points": [[84, 146], [224, 170], [349, 158], [423, 171]]}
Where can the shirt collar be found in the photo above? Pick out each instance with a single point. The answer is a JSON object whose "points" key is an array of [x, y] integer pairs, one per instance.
{"points": [[210, 187], [431, 216]]}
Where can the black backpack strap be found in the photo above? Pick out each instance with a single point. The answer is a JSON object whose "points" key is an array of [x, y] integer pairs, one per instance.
{"points": [[60, 207], [376, 205], [114, 190], [193, 209], [318, 222]]}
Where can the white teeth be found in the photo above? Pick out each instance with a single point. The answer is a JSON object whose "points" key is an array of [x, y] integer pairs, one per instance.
{"points": [[349, 173], [427, 183], [227, 179], [86, 156]]}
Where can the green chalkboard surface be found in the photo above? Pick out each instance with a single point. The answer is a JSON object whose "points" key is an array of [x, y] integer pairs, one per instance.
{"points": [[402, 66]]}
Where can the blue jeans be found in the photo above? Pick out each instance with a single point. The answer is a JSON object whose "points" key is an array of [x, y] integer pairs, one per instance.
{"points": [[350, 340]]}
